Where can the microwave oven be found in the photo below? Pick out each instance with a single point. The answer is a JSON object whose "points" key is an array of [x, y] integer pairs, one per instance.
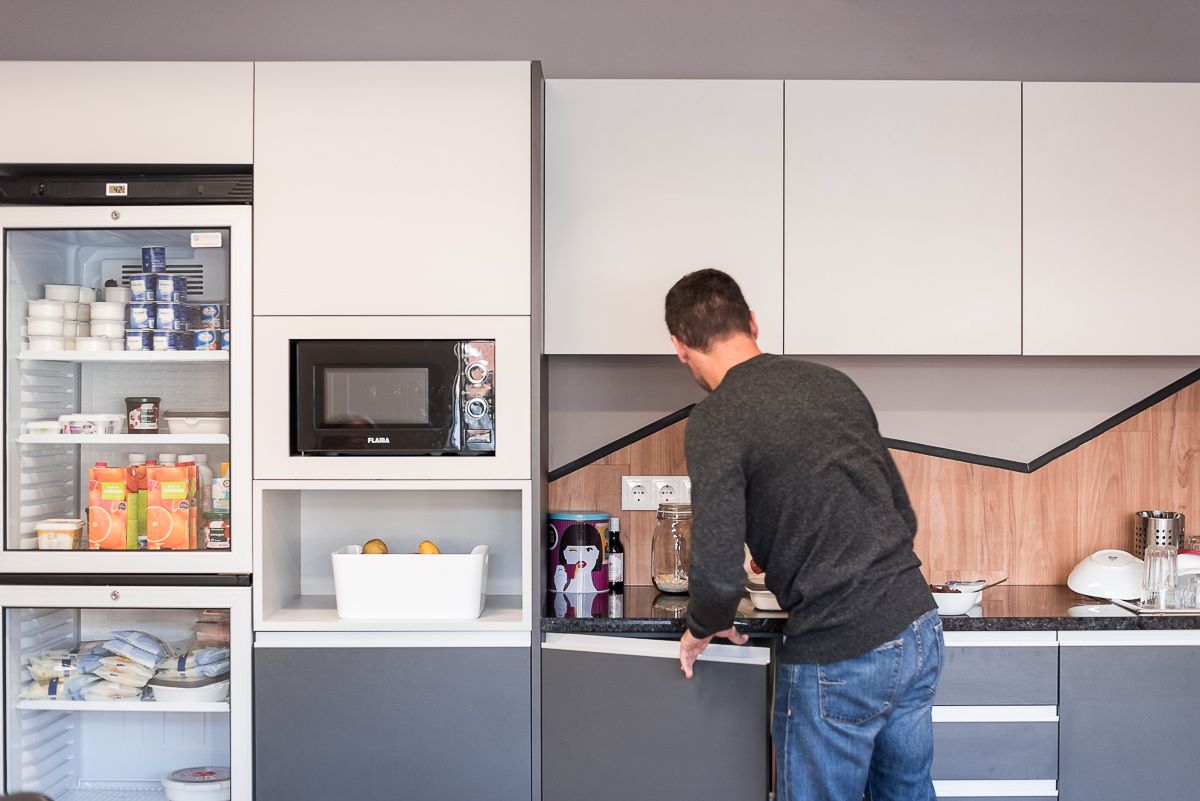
{"points": [[353, 397]]}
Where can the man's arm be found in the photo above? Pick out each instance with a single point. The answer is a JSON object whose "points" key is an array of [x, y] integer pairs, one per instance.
{"points": [[899, 493], [716, 578]]}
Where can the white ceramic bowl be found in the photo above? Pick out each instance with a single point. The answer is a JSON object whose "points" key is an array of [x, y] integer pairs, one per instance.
{"points": [[954, 603], [108, 328], [87, 295], [68, 292], [46, 309], [117, 294], [105, 310], [47, 343], [1110, 573]]}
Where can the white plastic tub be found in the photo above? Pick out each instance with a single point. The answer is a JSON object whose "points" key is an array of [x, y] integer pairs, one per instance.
{"points": [[106, 310], [67, 292], [61, 534], [47, 343], [409, 586], [197, 422], [198, 784], [203, 691], [108, 328], [46, 309]]}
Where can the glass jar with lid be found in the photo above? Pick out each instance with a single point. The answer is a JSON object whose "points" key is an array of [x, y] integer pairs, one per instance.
{"points": [[670, 549]]}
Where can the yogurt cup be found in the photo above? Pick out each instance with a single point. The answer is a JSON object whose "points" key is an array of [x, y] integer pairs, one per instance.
{"points": [[173, 317], [143, 286], [70, 311], [206, 339], [47, 309], [108, 310], [224, 339], [83, 329], [70, 328], [116, 343], [171, 288], [86, 295], [117, 294], [85, 311], [139, 339], [166, 340], [67, 292], [209, 315], [142, 315], [59, 534], [44, 427], [154, 259], [108, 328]]}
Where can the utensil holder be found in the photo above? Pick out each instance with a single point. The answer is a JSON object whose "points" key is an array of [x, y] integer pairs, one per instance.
{"points": [[1154, 527]]}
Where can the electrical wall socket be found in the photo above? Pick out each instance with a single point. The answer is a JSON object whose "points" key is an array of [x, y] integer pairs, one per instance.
{"points": [[645, 493]]}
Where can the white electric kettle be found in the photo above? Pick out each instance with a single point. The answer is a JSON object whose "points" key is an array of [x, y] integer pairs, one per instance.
{"points": [[1112, 573]]}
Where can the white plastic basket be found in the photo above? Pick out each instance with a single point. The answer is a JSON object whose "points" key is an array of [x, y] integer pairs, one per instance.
{"points": [[406, 586]]}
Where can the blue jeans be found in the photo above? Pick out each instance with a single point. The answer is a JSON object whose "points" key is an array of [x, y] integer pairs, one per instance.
{"points": [[865, 723]]}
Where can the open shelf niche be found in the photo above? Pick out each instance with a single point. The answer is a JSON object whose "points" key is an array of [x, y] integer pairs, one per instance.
{"points": [[299, 524]]}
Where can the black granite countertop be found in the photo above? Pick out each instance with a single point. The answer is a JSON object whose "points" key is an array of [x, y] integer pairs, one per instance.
{"points": [[645, 610]]}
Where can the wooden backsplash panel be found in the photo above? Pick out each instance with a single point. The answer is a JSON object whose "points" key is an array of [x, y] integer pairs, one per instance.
{"points": [[974, 520]]}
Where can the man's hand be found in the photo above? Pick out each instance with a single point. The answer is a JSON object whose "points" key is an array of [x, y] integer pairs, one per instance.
{"points": [[691, 647]]}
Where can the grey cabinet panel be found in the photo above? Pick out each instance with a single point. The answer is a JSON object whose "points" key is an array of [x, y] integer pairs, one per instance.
{"points": [[1128, 723], [632, 727], [392, 724], [999, 676], [979, 751]]}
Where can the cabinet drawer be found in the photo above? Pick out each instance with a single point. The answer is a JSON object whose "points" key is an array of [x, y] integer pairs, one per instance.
{"points": [[992, 751], [999, 676]]}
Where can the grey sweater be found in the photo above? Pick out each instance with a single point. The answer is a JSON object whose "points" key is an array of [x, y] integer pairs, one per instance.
{"points": [[786, 456]]}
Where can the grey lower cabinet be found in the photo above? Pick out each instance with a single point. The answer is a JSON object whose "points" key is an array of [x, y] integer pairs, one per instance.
{"points": [[1128, 722], [620, 721], [393, 724]]}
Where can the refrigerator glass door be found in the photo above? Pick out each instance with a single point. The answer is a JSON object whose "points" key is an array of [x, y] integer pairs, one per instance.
{"points": [[77, 726], [63, 460]]}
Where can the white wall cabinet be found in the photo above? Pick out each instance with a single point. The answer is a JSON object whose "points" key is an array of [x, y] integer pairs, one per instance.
{"points": [[393, 188], [647, 180], [126, 112], [903, 217], [1112, 199]]}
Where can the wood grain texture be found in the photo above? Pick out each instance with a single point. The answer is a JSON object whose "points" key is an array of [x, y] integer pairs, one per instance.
{"points": [[978, 521]]}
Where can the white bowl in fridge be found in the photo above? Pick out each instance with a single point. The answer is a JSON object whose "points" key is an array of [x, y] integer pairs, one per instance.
{"points": [[67, 292], [46, 309], [45, 326], [198, 784], [169, 691], [108, 328], [196, 422], [47, 343], [104, 310]]}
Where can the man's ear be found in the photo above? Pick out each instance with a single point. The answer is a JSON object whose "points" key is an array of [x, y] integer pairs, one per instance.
{"points": [[753, 325], [680, 350]]}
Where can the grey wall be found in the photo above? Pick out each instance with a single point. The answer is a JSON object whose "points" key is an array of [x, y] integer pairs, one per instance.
{"points": [[1008, 407], [1143, 40]]}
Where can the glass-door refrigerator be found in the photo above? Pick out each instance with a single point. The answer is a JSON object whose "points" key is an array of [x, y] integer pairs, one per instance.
{"points": [[126, 385]]}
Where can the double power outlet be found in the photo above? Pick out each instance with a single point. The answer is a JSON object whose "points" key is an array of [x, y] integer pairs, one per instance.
{"points": [[645, 493]]}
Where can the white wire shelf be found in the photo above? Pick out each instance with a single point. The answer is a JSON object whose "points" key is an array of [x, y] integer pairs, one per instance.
{"points": [[134, 356], [123, 439], [127, 706]]}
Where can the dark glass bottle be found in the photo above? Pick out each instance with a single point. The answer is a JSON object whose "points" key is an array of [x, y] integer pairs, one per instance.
{"points": [[616, 556]]}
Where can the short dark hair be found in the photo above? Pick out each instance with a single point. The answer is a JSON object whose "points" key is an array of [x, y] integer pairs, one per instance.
{"points": [[704, 306]]}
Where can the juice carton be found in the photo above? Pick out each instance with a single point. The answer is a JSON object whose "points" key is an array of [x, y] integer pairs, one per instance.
{"points": [[138, 506], [193, 502], [168, 508], [220, 493], [108, 508]]}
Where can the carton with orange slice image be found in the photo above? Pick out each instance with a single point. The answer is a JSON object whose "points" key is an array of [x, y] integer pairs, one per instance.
{"points": [[168, 508], [108, 508]]}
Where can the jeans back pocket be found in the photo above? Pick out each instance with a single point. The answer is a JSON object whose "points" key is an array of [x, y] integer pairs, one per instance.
{"points": [[860, 689]]}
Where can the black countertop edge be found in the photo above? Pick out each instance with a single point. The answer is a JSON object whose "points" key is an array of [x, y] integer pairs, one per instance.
{"points": [[1005, 608]]}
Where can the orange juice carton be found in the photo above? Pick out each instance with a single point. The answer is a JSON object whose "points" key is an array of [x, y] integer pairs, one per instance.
{"points": [[108, 508], [168, 508]]}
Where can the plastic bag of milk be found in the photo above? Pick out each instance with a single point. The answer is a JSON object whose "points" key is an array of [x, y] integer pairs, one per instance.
{"points": [[192, 659]]}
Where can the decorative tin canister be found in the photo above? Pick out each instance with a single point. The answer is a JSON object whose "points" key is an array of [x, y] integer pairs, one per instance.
{"points": [[578, 545]]}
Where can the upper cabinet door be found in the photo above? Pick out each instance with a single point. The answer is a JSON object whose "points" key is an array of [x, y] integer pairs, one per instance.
{"points": [[646, 181], [393, 188], [1112, 217], [126, 112], [903, 220]]}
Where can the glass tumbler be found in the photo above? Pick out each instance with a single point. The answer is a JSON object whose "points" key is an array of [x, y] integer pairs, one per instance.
{"points": [[1189, 591], [670, 550], [1160, 579]]}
